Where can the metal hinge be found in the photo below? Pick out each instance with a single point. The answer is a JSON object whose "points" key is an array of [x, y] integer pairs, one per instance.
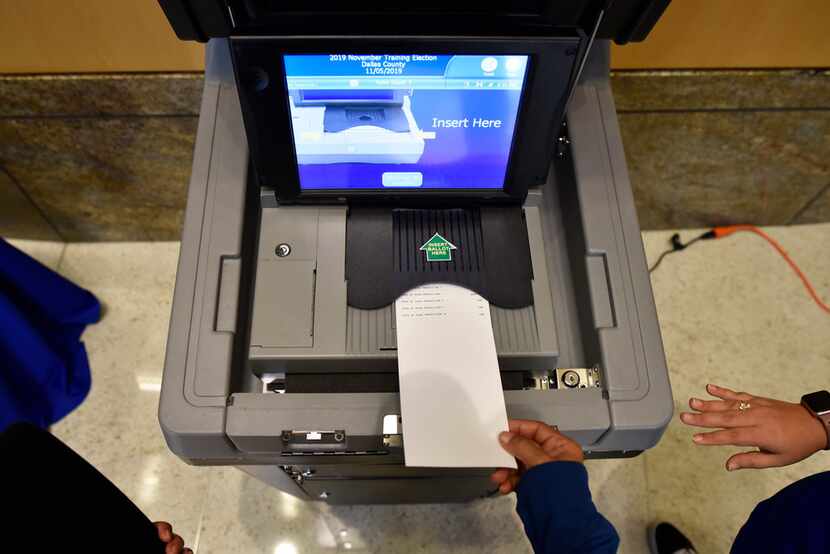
{"points": [[562, 145]]}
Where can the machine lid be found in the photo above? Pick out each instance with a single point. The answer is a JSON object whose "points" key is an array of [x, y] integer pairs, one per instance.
{"points": [[622, 20]]}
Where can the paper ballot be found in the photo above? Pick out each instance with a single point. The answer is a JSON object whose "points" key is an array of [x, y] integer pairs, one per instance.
{"points": [[452, 403]]}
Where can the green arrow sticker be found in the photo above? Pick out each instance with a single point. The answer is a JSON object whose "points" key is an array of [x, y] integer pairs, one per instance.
{"points": [[438, 249]]}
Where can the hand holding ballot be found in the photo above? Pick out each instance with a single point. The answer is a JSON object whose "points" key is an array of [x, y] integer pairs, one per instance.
{"points": [[552, 495], [533, 443]]}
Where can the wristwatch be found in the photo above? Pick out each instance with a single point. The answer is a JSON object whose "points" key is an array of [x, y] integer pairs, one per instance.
{"points": [[818, 404]]}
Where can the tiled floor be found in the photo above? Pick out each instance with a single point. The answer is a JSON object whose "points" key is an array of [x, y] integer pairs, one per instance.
{"points": [[731, 312], [46, 252]]}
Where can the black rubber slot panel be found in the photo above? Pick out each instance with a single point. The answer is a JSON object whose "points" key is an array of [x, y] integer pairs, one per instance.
{"points": [[343, 383], [384, 257]]}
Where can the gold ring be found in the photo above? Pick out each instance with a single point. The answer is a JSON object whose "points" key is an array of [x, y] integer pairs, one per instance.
{"points": [[743, 406]]}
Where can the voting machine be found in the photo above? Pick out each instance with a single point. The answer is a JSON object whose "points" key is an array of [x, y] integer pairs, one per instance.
{"points": [[345, 156]]}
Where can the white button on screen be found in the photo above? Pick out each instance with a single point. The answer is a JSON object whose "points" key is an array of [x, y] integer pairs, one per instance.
{"points": [[489, 64], [514, 64], [402, 179]]}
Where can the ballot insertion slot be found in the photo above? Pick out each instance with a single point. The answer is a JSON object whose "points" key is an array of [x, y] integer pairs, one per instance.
{"points": [[364, 382], [342, 383]]}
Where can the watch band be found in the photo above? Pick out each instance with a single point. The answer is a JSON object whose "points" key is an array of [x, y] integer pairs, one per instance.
{"points": [[823, 417]]}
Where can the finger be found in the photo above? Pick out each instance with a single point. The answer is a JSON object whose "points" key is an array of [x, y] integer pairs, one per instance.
{"points": [[722, 419], [534, 430], [742, 436], [725, 405], [165, 531], [727, 394], [524, 449], [560, 447], [500, 475], [555, 442], [753, 459], [712, 405], [187, 551], [510, 484], [175, 546]]}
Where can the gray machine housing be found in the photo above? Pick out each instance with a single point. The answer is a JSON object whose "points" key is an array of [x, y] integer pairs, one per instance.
{"points": [[230, 335], [301, 320]]}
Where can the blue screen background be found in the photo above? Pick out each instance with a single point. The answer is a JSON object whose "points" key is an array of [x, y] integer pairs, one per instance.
{"points": [[446, 88]]}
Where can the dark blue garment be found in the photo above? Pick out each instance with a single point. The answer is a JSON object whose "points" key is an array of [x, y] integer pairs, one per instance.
{"points": [[43, 480], [794, 521], [559, 516], [44, 371]]}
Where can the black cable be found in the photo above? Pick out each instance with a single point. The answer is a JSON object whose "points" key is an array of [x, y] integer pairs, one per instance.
{"points": [[677, 246]]}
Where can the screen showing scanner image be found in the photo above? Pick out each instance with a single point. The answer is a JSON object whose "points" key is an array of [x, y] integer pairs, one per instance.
{"points": [[403, 121]]}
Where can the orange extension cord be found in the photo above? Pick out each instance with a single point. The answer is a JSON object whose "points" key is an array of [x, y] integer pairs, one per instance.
{"points": [[721, 232]]}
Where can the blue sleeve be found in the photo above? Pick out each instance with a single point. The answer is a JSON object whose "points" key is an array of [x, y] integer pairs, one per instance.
{"points": [[559, 516], [800, 509], [44, 369]]}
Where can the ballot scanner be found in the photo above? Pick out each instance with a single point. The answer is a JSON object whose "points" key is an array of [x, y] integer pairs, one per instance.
{"points": [[346, 156]]}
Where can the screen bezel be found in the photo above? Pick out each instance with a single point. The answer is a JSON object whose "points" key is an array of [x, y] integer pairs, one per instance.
{"points": [[260, 75]]}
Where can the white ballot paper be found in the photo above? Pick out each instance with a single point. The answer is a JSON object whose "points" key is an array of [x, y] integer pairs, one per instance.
{"points": [[452, 403]]}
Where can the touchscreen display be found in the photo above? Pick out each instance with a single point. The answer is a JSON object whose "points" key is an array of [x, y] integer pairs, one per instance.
{"points": [[398, 121]]}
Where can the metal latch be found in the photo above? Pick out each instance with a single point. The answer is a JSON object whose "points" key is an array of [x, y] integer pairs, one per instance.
{"points": [[576, 378], [314, 441], [392, 431]]}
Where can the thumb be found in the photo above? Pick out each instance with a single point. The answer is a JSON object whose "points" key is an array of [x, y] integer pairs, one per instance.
{"points": [[525, 450]]}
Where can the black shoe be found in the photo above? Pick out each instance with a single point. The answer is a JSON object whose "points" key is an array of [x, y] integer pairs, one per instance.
{"points": [[664, 538]]}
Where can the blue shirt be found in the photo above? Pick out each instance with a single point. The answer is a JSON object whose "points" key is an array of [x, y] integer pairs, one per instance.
{"points": [[555, 505], [559, 516], [794, 521]]}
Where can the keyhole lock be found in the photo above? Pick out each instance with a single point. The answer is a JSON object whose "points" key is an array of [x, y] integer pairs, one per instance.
{"points": [[283, 250]]}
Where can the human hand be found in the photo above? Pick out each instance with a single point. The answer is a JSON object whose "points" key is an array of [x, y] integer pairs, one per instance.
{"points": [[174, 544], [784, 433], [533, 443]]}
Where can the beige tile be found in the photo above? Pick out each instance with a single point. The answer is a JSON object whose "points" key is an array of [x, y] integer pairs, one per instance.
{"points": [[732, 312], [619, 491], [46, 252], [489, 525], [116, 428]]}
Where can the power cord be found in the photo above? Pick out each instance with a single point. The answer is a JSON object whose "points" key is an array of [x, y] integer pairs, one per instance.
{"points": [[677, 246], [722, 232]]}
